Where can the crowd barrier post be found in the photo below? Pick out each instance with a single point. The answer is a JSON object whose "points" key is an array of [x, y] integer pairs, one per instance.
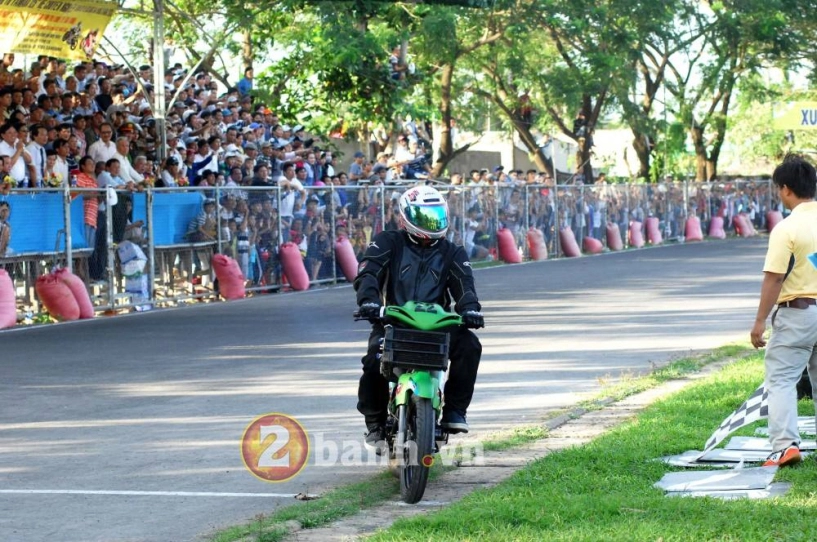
{"points": [[110, 271], [151, 247], [333, 234], [219, 230], [66, 203]]}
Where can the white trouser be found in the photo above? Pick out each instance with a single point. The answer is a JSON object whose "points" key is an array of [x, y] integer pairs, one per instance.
{"points": [[791, 348]]}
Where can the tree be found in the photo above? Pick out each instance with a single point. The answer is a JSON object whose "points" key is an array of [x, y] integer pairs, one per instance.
{"points": [[738, 38]]}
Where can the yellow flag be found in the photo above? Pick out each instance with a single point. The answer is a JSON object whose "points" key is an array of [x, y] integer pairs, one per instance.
{"points": [[796, 116], [62, 29]]}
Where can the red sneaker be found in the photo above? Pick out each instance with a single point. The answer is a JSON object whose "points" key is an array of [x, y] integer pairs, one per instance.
{"points": [[784, 458]]}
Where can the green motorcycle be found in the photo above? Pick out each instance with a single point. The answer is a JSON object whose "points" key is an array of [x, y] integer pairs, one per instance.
{"points": [[414, 358]]}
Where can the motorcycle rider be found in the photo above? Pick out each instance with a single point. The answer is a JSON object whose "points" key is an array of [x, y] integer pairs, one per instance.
{"points": [[417, 263]]}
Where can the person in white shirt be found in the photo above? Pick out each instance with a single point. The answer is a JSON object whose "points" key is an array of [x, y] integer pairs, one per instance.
{"points": [[103, 149], [14, 148], [36, 149], [61, 165], [126, 170]]}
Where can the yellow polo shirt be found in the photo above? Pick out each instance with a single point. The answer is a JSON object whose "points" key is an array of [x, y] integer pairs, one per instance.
{"points": [[796, 235]]}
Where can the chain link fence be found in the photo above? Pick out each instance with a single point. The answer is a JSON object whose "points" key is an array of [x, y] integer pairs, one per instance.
{"points": [[178, 230]]}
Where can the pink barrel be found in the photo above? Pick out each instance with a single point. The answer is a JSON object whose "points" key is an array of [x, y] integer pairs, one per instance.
{"points": [[230, 278], [773, 218], [653, 231], [293, 264], [536, 245], [591, 245], [508, 252], [614, 237], [77, 287], [742, 225], [570, 247], [716, 228], [692, 231], [636, 237], [57, 297], [8, 303], [345, 255]]}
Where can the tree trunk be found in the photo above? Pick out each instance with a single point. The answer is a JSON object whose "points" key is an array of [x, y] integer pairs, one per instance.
{"points": [[642, 150], [446, 143], [523, 129], [246, 50]]}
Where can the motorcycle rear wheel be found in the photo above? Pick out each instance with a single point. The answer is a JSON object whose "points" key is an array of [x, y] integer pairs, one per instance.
{"points": [[419, 450]]}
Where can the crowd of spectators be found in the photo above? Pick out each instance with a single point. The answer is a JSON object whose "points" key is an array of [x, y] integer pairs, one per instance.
{"points": [[264, 182]]}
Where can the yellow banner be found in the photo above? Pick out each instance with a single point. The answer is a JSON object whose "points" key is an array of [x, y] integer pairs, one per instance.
{"points": [[62, 29], [796, 116]]}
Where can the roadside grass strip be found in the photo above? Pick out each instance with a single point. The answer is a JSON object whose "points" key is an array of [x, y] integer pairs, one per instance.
{"points": [[604, 489]]}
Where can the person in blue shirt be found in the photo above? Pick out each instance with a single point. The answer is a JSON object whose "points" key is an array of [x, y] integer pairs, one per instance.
{"points": [[245, 85]]}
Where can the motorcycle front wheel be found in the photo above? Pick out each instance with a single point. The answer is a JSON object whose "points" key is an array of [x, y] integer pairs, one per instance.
{"points": [[418, 450]]}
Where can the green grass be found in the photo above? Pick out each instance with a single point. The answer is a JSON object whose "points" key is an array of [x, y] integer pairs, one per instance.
{"points": [[627, 385], [604, 490]]}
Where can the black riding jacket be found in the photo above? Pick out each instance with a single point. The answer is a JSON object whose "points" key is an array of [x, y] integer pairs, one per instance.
{"points": [[402, 270]]}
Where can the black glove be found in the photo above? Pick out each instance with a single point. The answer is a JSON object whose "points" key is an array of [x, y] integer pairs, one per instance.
{"points": [[369, 311], [473, 319]]}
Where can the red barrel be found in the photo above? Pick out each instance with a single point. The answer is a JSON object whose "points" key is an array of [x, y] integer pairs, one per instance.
{"points": [[293, 264], [716, 228], [636, 237], [614, 237], [77, 287], [508, 251], [345, 255], [692, 230], [570, 247], [230, 278], [537, 248], [653, 231], [773, 218], [57, 297], [592, 245], [8, 303]]}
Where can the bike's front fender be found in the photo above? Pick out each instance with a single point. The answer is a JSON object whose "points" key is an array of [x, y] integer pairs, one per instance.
{"points": [[420, 383]]}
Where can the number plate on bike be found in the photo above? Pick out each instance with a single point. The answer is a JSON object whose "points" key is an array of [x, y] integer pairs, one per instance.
{"points": [[414, 349]]}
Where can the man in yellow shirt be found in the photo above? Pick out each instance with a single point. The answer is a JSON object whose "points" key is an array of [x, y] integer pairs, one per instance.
{"points": [[790, 289]]}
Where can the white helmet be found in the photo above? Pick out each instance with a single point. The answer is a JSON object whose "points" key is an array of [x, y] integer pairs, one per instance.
{"points": [[424, 213]]}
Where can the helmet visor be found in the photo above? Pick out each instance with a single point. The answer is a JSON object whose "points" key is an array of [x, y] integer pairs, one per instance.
{"points": [[431, 218]]}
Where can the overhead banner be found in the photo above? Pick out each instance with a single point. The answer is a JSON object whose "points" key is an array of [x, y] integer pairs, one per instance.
{"points": [[62, 29], [795, 116]]}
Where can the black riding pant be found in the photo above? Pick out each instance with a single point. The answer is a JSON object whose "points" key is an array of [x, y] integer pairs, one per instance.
{"points": [[465, 351]]}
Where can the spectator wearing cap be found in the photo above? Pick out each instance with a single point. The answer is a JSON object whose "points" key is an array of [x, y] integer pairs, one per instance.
{"points": [[171, 174], [356, 169], [245, 84], [126, 170], [204, 159]]}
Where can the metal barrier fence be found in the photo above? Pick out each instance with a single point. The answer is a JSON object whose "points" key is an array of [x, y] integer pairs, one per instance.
{"points": [[178, 234]]}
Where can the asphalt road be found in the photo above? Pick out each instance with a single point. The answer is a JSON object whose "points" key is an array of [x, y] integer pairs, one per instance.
{"points": [[129, 428]]}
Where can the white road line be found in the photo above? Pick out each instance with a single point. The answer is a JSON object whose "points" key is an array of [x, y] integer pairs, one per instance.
{"points": [[142, 493]]}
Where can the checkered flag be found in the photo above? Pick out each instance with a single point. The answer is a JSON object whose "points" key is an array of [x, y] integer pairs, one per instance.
{"points": [[755, 408]]}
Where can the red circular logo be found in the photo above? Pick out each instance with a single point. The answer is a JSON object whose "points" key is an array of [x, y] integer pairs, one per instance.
{"points": [[275, 447]]}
